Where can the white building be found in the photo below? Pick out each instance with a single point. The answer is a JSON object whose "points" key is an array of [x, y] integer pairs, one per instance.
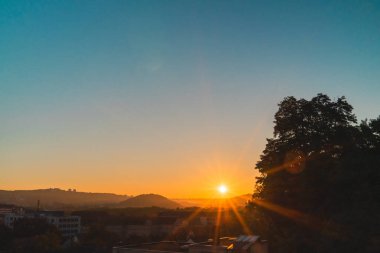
{"points": [[10, 218], [68, 226]]}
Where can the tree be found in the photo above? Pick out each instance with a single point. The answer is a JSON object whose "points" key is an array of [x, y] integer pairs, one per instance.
{"points": [[31, 227], [35, 235], [318, 172], [6, 237]]}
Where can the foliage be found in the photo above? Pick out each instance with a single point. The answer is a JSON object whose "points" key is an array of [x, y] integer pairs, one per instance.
{"points": [[99, 238], [31, 227], [42, 243], [5, 237], [319, 184]]}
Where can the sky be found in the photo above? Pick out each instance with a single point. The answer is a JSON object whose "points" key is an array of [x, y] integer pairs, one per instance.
{"points": [[168, 97]]}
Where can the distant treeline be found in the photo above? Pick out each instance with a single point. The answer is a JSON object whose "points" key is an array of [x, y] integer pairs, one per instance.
{"points": [[58, 199]]}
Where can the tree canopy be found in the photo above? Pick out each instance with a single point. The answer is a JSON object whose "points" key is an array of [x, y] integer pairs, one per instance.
{"points": [[319, 188]]}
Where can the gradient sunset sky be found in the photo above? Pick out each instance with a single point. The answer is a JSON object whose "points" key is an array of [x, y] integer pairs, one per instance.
{"points": [[170, 97]]}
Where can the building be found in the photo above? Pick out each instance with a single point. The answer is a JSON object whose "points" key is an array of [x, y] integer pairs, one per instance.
{"points": [[67, 225], [158, 226], [165, 225], [241, 244], [250, 244], [11, 218], [4, 210], [155, 247]]}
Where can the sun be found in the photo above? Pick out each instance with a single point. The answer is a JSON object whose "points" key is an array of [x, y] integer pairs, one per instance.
{"points": [[222, 189]]}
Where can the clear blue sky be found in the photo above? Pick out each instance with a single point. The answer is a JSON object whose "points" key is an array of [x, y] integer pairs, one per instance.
{"points": [[151, 96]]}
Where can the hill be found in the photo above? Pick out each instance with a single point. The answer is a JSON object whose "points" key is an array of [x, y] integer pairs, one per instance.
{"points": [[57, 198], [149, 200]]}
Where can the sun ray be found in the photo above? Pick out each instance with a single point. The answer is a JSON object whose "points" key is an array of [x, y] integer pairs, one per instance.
{"points": [[218, 223], [244, 225], [280, 167], [310, 221], [186, 221]]}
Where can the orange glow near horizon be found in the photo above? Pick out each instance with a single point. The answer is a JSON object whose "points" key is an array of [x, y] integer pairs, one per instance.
{"points": [[179, 174]]}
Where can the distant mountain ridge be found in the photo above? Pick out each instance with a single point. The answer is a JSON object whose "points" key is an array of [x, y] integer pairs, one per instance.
{"points": [[149, 200], [57, 198]]}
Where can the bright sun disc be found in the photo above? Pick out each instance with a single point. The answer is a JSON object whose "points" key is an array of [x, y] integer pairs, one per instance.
{"points": [[222, 189]]}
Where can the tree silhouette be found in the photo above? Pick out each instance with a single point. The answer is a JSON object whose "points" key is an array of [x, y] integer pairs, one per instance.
{"points": [[319, 185]]}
